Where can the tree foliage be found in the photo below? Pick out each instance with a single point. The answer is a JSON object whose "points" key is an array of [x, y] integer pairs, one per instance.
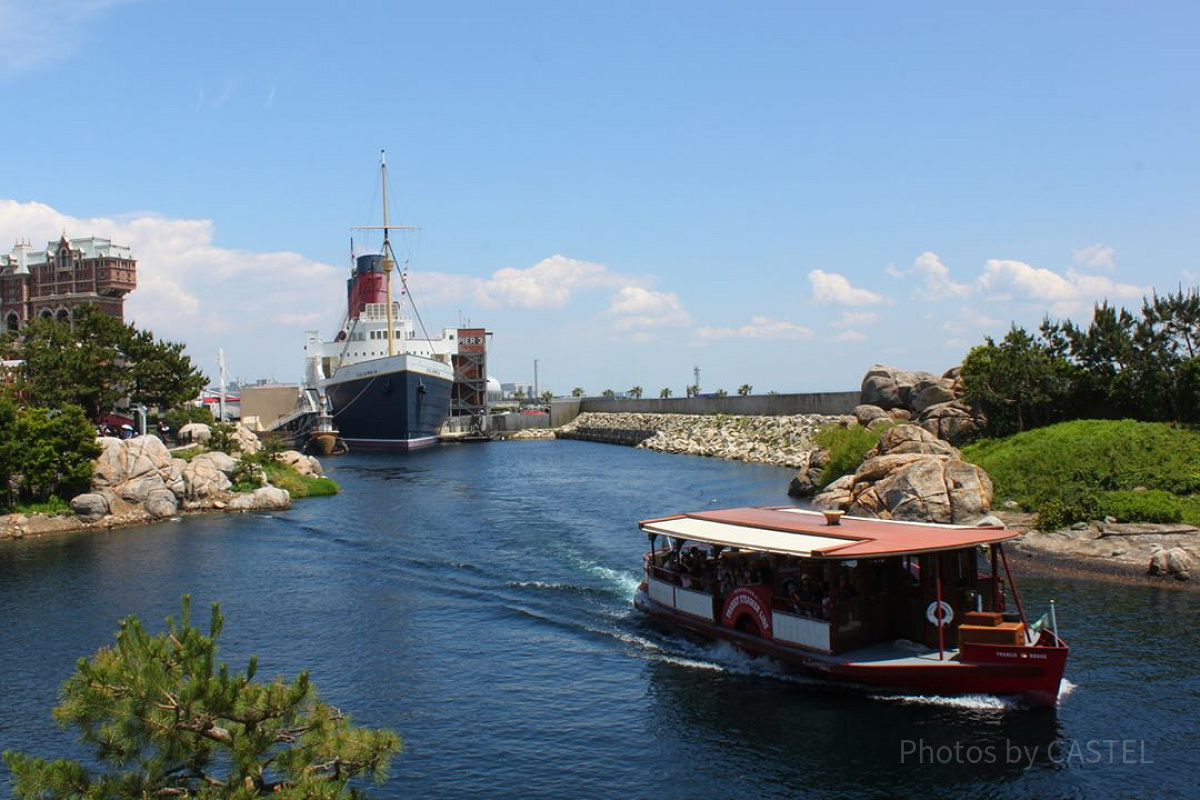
{"points": [[1122, 365], [168, 720], [745, 389], [636, 392], [44, 452], [97, 360]]}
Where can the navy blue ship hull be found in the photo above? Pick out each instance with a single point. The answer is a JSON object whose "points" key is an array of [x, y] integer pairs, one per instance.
{"points": [[398, 410]]}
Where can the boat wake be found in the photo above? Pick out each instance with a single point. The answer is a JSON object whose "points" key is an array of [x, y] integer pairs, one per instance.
{"points": [[973, 702]]}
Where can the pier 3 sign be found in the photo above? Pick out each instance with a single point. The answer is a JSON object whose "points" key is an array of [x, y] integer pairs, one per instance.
{"points": [[472, 340], [746, 605]]}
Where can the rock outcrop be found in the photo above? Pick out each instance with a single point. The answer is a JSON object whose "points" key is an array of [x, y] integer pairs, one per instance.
{"points": [[1173, 563], [912, 475], [305, 465], [137, 480], [196, 432], [934, 402]]}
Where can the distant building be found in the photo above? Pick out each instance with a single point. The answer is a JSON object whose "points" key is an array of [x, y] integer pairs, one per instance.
{"points": [[52, 283], [510, 390]]}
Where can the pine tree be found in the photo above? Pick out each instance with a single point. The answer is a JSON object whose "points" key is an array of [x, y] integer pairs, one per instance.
{"points": [[171, 721]]}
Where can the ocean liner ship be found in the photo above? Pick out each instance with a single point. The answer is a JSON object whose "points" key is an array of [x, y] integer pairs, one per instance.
{"points": [[386, 388]]}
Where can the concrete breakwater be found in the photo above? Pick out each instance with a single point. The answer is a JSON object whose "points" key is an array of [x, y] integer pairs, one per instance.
{"points": [[783, 441]]}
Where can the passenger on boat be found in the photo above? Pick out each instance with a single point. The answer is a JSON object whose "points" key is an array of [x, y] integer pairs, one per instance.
{"points": [[724, 577], [685, 578]]}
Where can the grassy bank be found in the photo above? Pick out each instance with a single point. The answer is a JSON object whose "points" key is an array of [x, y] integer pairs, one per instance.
{"points": [[299, 485], [1089, 469]]}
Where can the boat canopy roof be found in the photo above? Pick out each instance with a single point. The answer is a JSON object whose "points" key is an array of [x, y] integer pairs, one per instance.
{"points": [[808, 534]]}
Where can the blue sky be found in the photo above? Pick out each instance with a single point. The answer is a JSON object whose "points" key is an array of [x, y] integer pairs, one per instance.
{"points": [[781, 194]]}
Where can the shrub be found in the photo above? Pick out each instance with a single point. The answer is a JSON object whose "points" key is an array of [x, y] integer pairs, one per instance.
{"points": [[1149, 506], [1061, 510], [222, 439], [847, 447]]}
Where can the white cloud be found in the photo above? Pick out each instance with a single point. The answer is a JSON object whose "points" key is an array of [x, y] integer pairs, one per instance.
{"points": [[191, 290], [550, 283], [637, 309], [938, 285], [830, 287], [35, 34], [758, 328], [934, 276], [851, 318], [1066, 294], [1188, 275], [1096, 256], [547, 284], [849, 336]]}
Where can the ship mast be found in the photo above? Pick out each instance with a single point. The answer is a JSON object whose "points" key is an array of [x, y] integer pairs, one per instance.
{"points": [[389, 263]]}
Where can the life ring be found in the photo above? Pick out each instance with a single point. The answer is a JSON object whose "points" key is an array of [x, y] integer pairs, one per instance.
{"points": [[947, 612]]}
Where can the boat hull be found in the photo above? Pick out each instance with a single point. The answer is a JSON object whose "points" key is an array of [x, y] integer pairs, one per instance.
{"points": [[1032, 673], [393, 403]]}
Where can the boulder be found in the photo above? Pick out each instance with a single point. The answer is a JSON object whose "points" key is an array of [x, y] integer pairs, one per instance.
{"points": [[888, 387], [900, 414], [305, 465], [836, 496], [161, 503], [877, 468], [865, 414], [807, 479], [267, 498], [196, 432], [133, 468], [927, 489], [130, 459], [931, 392], [89, 507], [1158, 562], [1179, 563], [913, 439], [246, 440], [206, 475], [953, 421]]}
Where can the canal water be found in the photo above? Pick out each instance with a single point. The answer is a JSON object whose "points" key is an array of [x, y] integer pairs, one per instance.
{"points": [[477, 599]]}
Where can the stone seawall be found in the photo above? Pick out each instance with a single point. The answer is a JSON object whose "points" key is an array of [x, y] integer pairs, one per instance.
{"points": [[777, 440], [630, 437]]}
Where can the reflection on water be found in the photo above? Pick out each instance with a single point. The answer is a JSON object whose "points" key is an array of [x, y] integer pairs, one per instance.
{"points": [[478, 599]]}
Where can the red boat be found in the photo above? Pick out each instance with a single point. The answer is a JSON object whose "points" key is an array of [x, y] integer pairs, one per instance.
{"points": [[913, 607]]}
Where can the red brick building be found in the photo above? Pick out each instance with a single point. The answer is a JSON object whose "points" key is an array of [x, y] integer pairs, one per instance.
{"points": [[67, 274]]}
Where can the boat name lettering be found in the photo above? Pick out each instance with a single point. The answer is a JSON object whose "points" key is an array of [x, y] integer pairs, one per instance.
{"points": [[744, 597]]}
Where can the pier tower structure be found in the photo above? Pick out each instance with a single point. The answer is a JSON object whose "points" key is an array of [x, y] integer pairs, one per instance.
{"points": [[69, 273], [469, 395]]}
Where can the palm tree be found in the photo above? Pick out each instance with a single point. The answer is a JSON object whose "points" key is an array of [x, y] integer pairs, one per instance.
{"points": [[577, 391], [636, 393], [745, 389], [665, 393], [609, 393], [519, 396], [693, 390], [547, 396], [722, 393]]}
